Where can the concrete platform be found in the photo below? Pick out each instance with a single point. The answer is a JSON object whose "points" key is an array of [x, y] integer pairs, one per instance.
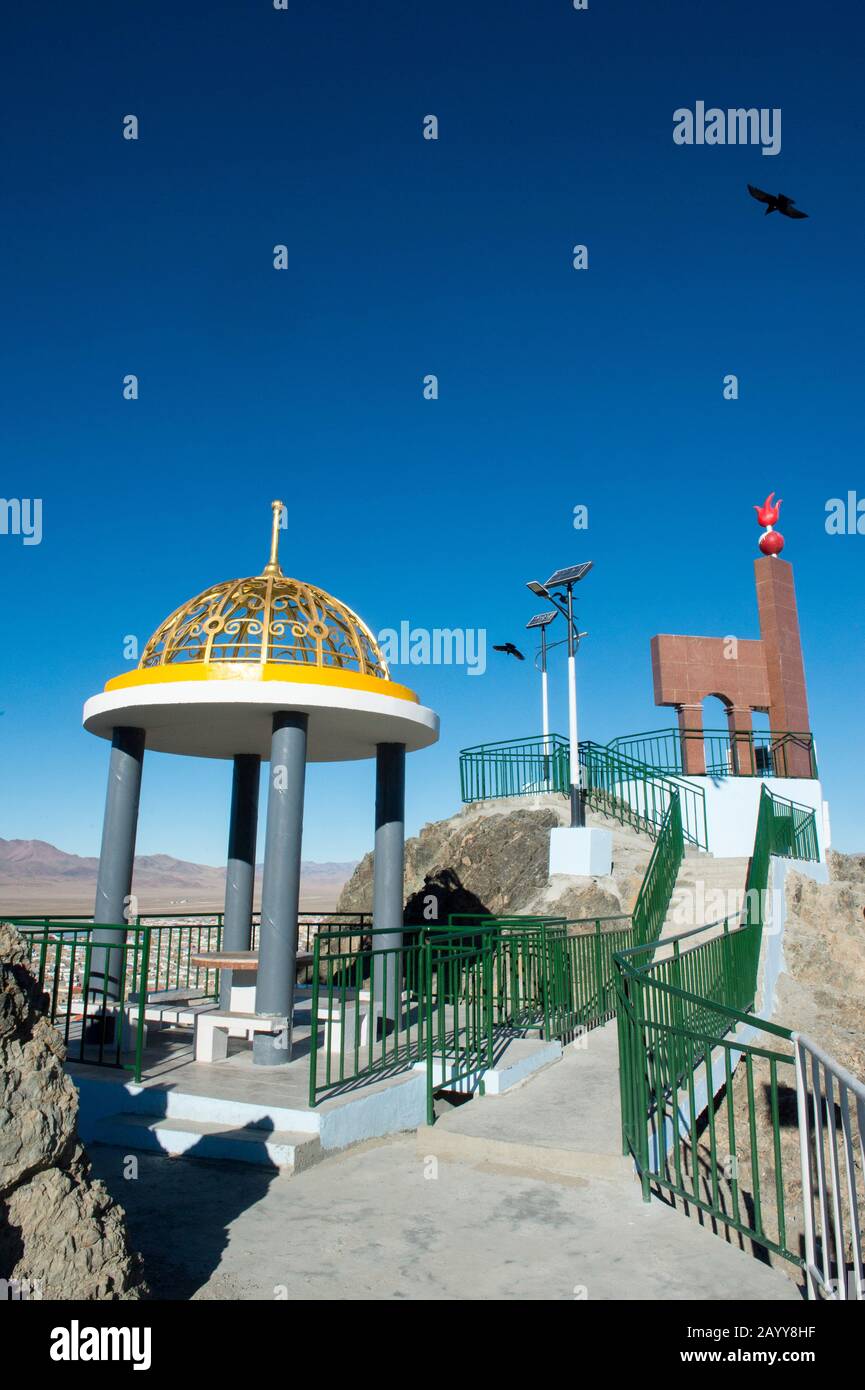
{"points": [[233, 1109]]}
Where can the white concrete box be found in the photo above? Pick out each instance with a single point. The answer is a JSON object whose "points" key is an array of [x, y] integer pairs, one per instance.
{"points": [[584, 852]]}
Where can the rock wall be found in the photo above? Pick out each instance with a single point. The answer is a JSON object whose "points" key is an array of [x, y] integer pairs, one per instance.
{"points": [[822, 989], [61, 1234], [497, 856]]}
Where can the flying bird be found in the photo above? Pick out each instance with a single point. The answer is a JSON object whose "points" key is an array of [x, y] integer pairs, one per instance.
{"points": [[510, 649], [776, 202]]}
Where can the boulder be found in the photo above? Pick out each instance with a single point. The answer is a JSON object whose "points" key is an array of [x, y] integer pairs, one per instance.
{"points": [[60, 1231]]}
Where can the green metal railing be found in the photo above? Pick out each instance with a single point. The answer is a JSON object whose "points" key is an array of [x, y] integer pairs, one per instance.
{"points": [[515, 767], [635, 794], [174, 944], [368, 1006], [656, 890], [749, 753], [682, 1005], [155, 948], [458, 972], [552, 974], [620, 786], [452, 994], [84, 1006]]}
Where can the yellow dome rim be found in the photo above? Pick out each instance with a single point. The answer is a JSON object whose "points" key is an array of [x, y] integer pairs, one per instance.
{"points": [[254, 672]]}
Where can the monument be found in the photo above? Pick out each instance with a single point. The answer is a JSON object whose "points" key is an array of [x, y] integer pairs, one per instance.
{"points": [[765, 674]]}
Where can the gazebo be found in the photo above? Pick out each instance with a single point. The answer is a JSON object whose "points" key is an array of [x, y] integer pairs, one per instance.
{"points": [[265, 668]]}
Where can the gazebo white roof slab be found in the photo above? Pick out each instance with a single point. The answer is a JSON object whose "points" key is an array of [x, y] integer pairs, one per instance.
{"points": [[221, 718]]}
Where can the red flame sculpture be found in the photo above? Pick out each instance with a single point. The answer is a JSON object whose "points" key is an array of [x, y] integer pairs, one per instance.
{"points": [[768, 514], [771, 542]]}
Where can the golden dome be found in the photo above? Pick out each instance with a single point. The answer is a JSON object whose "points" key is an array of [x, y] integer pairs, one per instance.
{"points": [[268, 618]]}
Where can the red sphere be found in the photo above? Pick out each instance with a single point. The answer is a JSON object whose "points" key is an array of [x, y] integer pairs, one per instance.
{"points": [[771, 542]]}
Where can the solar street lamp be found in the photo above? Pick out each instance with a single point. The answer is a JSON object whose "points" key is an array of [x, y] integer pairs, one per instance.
{"points": [[543, 620], [566, 579]]}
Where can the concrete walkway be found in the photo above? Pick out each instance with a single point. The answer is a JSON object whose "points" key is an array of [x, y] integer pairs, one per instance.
{"points": [[565, 1120], [381, 1222], [520, 1196]]}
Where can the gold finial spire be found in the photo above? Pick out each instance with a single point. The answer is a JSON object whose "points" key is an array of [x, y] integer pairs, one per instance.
{"points": [[272, 566]]}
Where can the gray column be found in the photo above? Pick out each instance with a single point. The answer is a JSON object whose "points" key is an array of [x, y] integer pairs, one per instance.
{"points": [[114, 879], [280, 890], [240, 869], [388, 870]]}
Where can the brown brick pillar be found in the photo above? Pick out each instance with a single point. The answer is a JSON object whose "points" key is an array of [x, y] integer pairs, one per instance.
{"points": [[691, 739], [741, 726], [785, 669]]}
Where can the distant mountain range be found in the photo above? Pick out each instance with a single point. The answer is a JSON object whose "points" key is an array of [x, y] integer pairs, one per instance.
{"points": [[35, 874]]}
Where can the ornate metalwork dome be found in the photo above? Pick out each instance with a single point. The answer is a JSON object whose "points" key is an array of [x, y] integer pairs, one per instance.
{"points": [[268, 618]]}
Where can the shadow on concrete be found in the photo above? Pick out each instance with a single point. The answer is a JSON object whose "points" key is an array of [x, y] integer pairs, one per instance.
{"points": [[179, 1212]]}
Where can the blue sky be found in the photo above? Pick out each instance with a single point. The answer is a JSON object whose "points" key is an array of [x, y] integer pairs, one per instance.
{"points": [[406, 257]]}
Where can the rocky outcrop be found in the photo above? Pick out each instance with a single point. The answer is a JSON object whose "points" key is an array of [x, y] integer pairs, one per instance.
{"points": [[496, 857], [61, 1235], [822, 988]]}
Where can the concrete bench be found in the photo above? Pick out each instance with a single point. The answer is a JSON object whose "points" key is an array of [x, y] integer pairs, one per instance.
{"points": [[164, 1008], [339, 1014], [213, 1029]]}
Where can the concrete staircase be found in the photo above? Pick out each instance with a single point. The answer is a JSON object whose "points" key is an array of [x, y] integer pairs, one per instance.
{"points": [[707, 890], [174, 1123]]}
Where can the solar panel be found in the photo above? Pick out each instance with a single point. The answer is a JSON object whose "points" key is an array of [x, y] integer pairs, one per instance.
{"points": [[542, 619], [570, 575]]}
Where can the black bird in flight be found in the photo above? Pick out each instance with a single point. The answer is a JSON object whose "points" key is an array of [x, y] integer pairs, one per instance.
{"points": [[510, 649], [776, 202]]}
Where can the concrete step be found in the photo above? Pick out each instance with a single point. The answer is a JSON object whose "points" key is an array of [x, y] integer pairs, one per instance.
{"points": [[284, 1149], [539, 1160], [518, 1059], [562, 1124], [694, 867], [172, 1103]]}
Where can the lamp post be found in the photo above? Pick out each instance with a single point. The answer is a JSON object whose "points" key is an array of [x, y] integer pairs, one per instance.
{"points": [[566, 579], [543, 620]]}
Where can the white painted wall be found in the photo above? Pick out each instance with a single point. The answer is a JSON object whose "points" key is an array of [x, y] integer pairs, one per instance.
{"points": [[732, 804]]}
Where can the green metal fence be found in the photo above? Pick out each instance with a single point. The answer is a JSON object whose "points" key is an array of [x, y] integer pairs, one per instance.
{"points": [[458, 975], [635, 794], [515, 767], [656, 890], [65, 960], [620, 786], [155, 948], [458, 992], [682, 1006], [552, 975], [368, 1006], [749, 753]]}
